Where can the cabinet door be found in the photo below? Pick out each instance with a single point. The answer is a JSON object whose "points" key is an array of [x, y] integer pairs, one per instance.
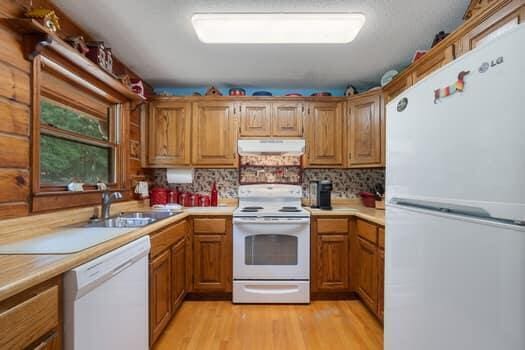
{"points": [[287, 119], [364, 131], [160, 294], [324, 142], [397, 86], [169, 134], [431, 62], [332, 262], [214, 135], [50, 343], [367, 279], [211, 261], [381, 284], [178, 273], [255, 119], [493, 26]]}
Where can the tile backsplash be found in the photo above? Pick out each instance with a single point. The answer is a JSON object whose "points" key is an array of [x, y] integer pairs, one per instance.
{"points": [[347, 183]]}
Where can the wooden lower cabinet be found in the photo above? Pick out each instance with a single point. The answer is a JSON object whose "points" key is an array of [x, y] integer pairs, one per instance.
{"points": [[168, 271], [381, 284], [160, 294], [367, 281], [32, 319], [51, 342], [178, 273], [330, 255]]}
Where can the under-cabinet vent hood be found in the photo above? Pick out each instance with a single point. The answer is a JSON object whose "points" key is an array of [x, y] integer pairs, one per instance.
{"points": [[270, 147]]}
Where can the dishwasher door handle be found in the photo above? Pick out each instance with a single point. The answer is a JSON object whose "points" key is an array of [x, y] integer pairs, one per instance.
{"points": [[122, 267]]}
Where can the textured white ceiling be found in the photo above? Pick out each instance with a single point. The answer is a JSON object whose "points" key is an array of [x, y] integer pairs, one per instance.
{"points": [[156, 39]]}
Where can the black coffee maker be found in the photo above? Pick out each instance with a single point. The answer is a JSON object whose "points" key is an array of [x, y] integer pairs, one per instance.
{"points": [[325, 195]]}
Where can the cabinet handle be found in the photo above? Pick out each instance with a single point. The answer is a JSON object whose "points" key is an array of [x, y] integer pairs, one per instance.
{"points": [[350, 155]]}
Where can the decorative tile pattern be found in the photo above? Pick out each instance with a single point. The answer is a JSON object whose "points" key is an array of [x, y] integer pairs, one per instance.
{"points": [[347, 183]]}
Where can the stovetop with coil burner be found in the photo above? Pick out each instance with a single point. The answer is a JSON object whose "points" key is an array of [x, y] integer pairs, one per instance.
{"points": [[270, 201]]}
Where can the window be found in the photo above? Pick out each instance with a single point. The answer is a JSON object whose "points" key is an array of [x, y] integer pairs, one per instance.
{"points": [[74, 146]]}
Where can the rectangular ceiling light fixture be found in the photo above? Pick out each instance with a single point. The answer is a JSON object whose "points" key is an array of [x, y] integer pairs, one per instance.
{"points": [[277, 28]]}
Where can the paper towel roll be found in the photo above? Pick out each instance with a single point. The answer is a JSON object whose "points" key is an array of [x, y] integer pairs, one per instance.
{"points": [[179, 176]]}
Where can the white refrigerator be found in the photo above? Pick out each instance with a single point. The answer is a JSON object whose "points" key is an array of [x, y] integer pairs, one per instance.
{"points": [[455, 216]]}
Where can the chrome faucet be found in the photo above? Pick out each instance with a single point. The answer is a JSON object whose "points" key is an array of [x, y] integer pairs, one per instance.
{"points": [[107, 199]]}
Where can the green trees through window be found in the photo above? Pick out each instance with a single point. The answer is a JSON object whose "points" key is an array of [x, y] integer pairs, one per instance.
{"points": [[66, 159]]}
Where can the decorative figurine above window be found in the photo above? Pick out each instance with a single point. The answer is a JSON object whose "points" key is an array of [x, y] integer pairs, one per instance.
{"points": [[46, 17]]}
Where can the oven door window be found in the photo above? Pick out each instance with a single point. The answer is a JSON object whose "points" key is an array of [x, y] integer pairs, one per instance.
{"points": [[265, 249]]}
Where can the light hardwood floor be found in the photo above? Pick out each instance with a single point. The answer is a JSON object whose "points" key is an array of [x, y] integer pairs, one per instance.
{"points": [[331, 325]]}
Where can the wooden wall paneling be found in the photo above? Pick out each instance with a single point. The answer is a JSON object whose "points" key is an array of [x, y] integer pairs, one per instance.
{"points": [[11, 50], [14, 185], [14, 84], [14, 151], [15, 117], [13, 209]]}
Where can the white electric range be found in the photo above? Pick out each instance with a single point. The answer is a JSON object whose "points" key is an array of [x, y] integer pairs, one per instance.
{"points": [[271, 246]]}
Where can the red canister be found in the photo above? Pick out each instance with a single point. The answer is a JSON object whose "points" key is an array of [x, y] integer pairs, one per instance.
{"points": [[158, 195], [188, 199]]}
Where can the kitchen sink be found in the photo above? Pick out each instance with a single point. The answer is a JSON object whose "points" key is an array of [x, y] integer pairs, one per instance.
{"points": [[130, 219]]}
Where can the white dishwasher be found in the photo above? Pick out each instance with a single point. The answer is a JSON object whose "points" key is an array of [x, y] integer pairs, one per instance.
{"points": [[106, 301]]}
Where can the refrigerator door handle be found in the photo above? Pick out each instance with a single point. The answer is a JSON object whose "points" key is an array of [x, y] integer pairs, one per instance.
{"points": [[454, 209]]}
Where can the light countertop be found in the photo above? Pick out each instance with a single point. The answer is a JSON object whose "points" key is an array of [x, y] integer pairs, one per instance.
{"points": [[20, 272]]}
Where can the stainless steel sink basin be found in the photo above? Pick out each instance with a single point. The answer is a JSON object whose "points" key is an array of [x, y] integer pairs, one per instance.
{"points": [[130, 219]]}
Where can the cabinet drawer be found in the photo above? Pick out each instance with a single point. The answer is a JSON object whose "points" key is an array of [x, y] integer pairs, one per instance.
{"points": [[29, 320], [367, 231], [325, 226], [207, 225], [381, 238], [167, 237]]}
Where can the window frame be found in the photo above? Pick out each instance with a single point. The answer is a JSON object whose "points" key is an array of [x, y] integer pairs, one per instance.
{"points": [[52, 197]]}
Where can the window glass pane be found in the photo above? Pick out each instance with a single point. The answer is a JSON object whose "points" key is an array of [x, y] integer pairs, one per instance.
{"points": [[62, 161], [270, 250], [62, 117]]}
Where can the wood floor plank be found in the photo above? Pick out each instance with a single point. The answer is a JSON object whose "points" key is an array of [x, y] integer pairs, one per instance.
{"points": [[322, 325]]}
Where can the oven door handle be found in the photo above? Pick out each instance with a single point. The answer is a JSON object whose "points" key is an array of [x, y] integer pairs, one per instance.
{"points": [[266, 221]]}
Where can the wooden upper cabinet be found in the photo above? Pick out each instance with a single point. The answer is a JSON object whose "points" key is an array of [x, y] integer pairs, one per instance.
{"points": [[324, 135], [255, 119], [214, 135], [287, 119], [169, 134], [504, 19], [364, 131], [433, 62]]}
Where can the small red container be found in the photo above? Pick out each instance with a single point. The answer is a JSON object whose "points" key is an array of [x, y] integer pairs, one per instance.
{"points": [[368, 199], [158, 195], [188, 199]]}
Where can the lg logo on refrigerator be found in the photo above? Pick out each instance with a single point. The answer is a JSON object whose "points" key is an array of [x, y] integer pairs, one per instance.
{"points": [[486, 65]]}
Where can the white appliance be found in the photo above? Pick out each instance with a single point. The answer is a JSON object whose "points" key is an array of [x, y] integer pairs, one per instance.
{"points": [[293, 147], [271, 245], [106, 301], [455, 250]]}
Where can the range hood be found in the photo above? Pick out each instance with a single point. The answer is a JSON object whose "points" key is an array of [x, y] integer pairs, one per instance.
{"points": [[271, 147]]}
